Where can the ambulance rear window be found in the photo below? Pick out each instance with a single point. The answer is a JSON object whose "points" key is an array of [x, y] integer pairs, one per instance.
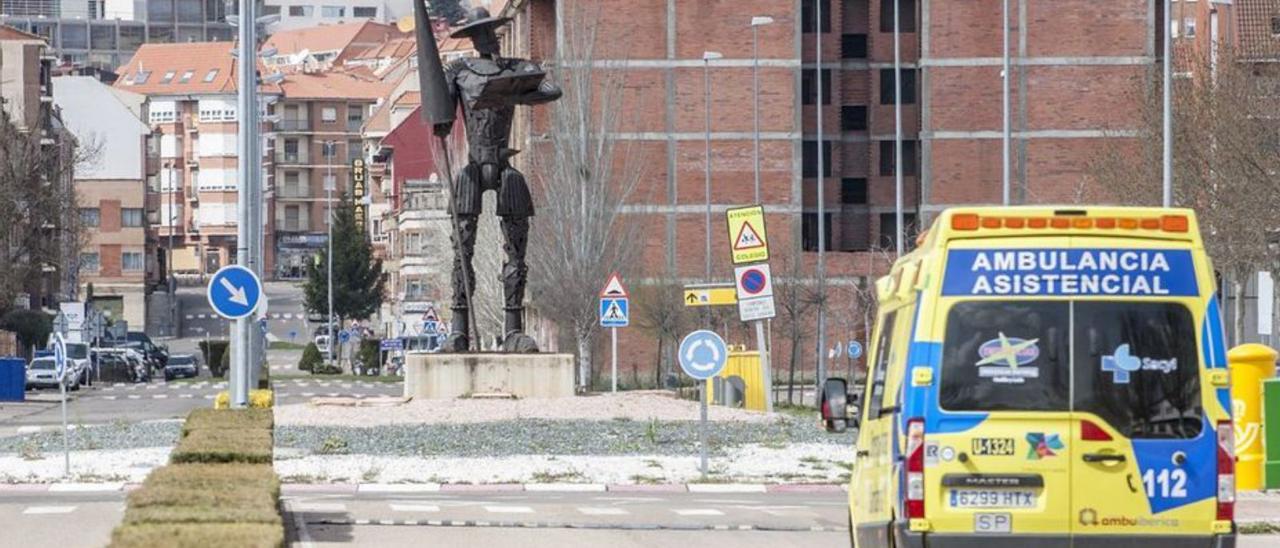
{"points": [[1006, 356], [1137, 368]]}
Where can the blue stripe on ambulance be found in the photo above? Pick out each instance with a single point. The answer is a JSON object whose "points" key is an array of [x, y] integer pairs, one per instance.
{"points": [[1164, 483], [1214, 348]]}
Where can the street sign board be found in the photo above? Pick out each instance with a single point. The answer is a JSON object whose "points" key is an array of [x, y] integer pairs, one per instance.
{"points": [[59, 355], [430, 315], [430, 326], [344, 336], [613, 288], [442, 329], [707, 295], [855, 349], [615, 312], [234, 292], [754, 292], [747, 240], [703, 354], [391, 344]]}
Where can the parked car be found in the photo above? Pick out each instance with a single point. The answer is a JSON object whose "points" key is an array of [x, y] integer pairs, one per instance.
{"points": [[141, 370], [157, 353], [43, 373], [181, 366]]}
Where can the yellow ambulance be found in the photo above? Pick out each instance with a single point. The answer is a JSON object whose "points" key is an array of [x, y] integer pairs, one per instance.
{"points": [[1044, 377]]}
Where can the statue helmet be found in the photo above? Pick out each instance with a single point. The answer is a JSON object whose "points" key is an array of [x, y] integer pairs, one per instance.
{"points": [[478, 21]]}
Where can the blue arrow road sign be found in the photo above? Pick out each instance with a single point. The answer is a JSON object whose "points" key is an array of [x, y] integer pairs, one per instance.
{"points": [[615, 312], [59, 356], [344, 336], [855, 349], [391, 344], [234, 292], [703, 354]]}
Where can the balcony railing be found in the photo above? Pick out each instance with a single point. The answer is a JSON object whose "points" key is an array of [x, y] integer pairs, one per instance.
{"points": [[293, 125], [297, 158]]}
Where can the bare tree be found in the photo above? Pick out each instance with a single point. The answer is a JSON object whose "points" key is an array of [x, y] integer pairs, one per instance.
{"points": [[1226, 165], [660, 309], [795, 302], [582, 176], [42, 228]]}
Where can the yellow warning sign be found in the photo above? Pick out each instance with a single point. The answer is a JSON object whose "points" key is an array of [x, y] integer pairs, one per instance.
{"points": [[747, 240]]}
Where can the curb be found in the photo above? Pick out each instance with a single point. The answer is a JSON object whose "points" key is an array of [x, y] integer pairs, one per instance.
{"points": [[568, 525], [700, 488]]}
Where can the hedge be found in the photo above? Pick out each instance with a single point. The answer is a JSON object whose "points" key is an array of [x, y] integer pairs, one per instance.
{"points": [[240, 419], [204, 535], [258, 399], [213, 352], [219, 491], [310, 357], [223, 445]]}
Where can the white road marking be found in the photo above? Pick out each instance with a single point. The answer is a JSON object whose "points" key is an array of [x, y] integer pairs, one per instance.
{"points": [[726, 488], [159, 396], [186, 395], [31, 510], [592, 511], [134, 397], [318, 507], [698, 512], [414, 508], [85, 487], [509, 509], [108, 397], [308, 394], [28, 429]]}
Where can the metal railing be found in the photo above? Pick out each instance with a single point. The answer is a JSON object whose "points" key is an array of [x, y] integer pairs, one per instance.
{"points": [[293, 125]]}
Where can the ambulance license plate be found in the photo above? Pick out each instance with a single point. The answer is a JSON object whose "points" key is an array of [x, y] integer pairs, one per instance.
{"points": [[992, 498], [992, 523]]}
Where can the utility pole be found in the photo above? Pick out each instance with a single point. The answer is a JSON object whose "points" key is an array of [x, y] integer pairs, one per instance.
{"points": [[247, 137], [329, 183], [170, 282], [897, 127], [756, 23], [822, 212], [1167, 172], [1004, 91], [707, 56]]}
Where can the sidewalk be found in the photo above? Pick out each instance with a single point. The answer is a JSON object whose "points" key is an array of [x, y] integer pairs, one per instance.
{"points": [[1258, 507]]}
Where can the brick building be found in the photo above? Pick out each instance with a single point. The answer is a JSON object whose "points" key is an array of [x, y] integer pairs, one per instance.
{"points": [[1072, 63]]}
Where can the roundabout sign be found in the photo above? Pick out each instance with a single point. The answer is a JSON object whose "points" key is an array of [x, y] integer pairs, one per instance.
{"points": [[703, 354]]}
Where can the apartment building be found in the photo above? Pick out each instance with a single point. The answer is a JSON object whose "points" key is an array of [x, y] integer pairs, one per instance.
{"points": [[26, 93], [117, 258], [312, 13], [322, 47], [103, 34], [317, 140], [191, 109], [1072, 60]]}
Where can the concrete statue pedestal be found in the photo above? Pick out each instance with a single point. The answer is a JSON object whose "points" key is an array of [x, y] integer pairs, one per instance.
{"points": [[449, 376]]}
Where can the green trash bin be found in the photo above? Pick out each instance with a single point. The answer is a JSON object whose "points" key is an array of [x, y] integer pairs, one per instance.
{"points": [[1271, 433]]}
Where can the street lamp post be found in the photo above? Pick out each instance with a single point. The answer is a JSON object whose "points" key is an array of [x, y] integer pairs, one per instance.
{"points": [[170, 282], [707, 56], [756, 23], [329, 183], [821, 372]]}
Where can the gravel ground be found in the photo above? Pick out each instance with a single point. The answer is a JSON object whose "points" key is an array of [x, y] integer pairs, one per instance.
{"points": [[119, 435], [634, 405], [126, 465], [800, 463], [545, 437]]}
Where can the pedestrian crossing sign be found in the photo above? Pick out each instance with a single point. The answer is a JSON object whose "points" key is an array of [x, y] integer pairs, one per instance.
{"points": [[615, 312], [747, 240]]}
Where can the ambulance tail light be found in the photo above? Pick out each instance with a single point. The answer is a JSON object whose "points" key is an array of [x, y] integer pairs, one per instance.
{"points": [[915, 469], [1226, 471]]}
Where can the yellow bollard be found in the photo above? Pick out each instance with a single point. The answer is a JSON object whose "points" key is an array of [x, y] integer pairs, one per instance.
{"points": [[1250, 365]]}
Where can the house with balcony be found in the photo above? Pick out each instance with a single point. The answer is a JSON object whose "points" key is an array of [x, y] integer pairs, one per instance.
{"points": [[316, 140], [118, 258]]}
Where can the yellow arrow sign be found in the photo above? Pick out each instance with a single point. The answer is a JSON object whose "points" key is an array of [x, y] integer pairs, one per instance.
{"points": [[710, 296]]}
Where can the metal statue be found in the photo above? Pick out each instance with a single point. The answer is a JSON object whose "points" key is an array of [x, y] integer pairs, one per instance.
{"points": [[488, 88]]}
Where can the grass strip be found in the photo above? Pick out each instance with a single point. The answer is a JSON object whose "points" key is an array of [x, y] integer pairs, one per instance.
{"points": [[221, 535]]}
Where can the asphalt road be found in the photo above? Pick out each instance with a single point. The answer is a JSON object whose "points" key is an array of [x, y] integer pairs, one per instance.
{"points": [[158, 400], [286, 319], [529, 520]]}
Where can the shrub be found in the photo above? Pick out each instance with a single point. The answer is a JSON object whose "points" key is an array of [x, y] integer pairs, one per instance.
{"points": [[213, 352], [370, 354], [32, 327], [231, 419], [204, 535], [327, 369], [223, 366], [310, 357], [258, 399], [224, 445], [206, 493]]}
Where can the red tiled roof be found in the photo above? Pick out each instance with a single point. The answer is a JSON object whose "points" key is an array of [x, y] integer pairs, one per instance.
{"points": [[1257, 21], [211, 65], [332, 84], [339, 38], [9, 33]]}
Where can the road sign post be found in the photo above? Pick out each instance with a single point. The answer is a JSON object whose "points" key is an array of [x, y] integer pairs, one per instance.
{"points": [[702, 356], [235, 292], [615, 312], [60, 365]]}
